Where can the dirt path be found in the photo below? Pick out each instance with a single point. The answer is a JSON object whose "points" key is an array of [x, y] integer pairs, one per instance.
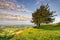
{"points": [[19, 32]]}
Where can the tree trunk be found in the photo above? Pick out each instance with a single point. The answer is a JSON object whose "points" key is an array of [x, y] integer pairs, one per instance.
{"points": [[38, 25]]}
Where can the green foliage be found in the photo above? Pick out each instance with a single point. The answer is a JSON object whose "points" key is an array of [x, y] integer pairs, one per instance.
{"points": [[45, 32], [8, 32], [42, 15], [58, 23]]}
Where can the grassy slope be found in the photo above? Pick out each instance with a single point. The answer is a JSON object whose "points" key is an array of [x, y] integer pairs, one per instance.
{"points": [[7, 33], [46, 32]]}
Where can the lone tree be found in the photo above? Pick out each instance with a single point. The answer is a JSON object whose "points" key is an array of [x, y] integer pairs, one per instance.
{"points": [[42, 15]]}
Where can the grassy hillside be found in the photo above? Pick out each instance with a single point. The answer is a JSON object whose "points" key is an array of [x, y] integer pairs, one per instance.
{"points": [[45, 32]]}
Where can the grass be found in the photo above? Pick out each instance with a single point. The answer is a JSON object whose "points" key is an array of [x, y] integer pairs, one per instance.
{"points": [[45, 32]]}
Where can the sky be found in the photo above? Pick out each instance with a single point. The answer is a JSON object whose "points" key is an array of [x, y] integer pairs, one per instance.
{"points": [[20, 11]]}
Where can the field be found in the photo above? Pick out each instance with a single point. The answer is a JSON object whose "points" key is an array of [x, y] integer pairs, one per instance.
{"points": [[45, 32]]}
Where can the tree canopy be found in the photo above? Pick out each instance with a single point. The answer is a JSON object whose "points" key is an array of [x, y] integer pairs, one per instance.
{"points": [[43, 15]]}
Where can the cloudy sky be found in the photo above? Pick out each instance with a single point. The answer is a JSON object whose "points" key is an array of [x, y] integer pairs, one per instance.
{"points": [[20, 11]]}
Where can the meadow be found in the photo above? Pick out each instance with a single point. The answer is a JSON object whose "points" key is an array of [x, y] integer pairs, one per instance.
{"points": [[45, 32]]}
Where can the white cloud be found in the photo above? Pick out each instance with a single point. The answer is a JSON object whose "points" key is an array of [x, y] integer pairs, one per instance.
{"points": [[13, 17], [13, 5], [39, 1]]}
